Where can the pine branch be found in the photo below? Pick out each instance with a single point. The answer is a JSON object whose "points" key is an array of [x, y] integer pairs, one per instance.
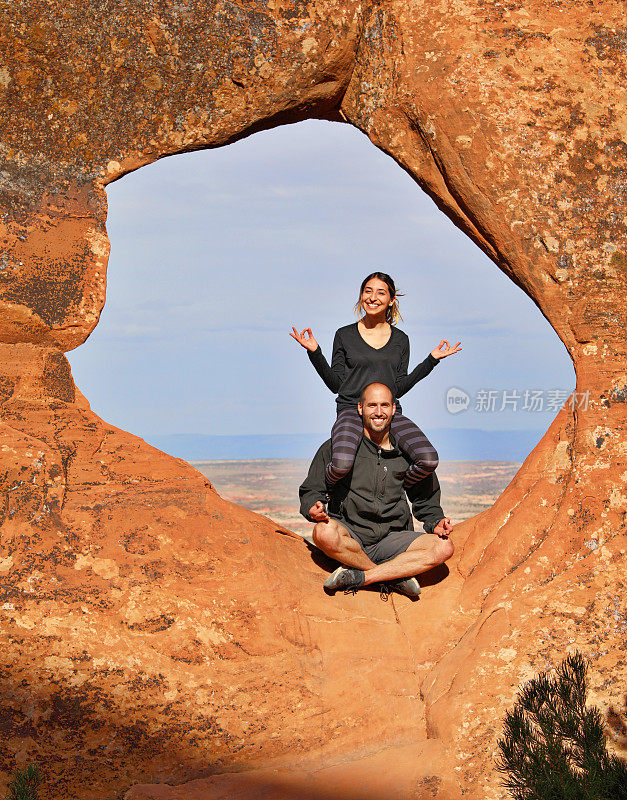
{"points": [[553, 747], [25, 784]]}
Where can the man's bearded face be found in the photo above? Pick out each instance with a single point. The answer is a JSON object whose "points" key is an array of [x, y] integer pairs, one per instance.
{"points": [[377, 409]]}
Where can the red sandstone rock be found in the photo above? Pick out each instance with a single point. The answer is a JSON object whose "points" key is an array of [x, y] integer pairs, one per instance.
{"points": [[153, 632]]}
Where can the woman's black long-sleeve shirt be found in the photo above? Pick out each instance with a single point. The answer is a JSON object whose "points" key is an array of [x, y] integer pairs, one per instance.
{"points": [[355, 364]]}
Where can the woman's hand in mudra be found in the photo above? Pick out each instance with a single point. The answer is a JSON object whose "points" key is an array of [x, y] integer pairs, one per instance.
{"points": [[308, 342], [447, 351]]}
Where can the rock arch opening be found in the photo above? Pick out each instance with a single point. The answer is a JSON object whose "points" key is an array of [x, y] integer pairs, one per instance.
{"points": [[214, 253], [134, 609]]}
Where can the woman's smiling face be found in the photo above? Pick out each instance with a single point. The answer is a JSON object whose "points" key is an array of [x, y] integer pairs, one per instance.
{"points": [[376, 297]]}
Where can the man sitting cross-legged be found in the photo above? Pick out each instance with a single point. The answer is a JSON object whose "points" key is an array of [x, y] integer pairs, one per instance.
{"points": [[368, 527]]}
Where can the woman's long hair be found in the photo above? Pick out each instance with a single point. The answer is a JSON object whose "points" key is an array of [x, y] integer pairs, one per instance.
{"points": [[392, 313]]}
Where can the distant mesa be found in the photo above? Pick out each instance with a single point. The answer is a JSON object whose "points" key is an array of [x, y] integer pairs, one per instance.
{"points": [[465, 444]]}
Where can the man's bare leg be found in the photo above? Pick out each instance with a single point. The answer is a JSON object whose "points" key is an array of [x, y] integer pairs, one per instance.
{"points": [[334, 540], [425, 552]]}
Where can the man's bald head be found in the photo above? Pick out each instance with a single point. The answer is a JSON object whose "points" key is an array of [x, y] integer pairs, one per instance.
{"points": [[375, 387], [377, 408]]}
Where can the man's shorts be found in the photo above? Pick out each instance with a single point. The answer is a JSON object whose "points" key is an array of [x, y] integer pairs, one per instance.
{"points": [[387, 548]]}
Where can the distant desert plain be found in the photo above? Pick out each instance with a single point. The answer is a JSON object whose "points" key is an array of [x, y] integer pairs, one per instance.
{"points": [[270, 486]]}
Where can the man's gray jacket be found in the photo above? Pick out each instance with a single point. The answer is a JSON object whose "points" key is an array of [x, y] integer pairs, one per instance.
{"points": [[370, 500]]}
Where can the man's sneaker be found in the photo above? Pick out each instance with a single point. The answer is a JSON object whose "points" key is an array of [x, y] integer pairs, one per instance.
{"points": [[407, 586], [345, 578], [385, 590]]}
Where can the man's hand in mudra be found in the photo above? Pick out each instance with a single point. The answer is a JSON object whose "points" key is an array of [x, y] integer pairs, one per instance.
{"points": [[443, 528], [317, 513]]}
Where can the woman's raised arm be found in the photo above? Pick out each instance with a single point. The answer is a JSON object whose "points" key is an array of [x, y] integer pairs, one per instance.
{"points": [[404, 382], [308, 342], [333, 375]]}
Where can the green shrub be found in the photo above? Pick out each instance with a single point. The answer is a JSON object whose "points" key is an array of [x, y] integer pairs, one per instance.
{"points": [[554, 747], [25, 784]]}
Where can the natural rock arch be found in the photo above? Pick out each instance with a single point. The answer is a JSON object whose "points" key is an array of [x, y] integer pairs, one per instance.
{"points": [[137, 645]]}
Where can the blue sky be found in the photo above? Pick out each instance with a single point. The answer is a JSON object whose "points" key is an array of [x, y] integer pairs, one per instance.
{"points": [[216, 254]]}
